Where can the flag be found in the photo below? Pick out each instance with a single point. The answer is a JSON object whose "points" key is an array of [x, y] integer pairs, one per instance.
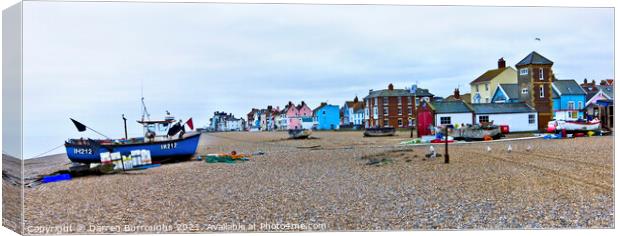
{"points": [[80, 127], [190, 123]]}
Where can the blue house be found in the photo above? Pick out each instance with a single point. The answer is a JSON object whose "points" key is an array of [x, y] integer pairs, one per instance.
{"points": [[506, 93], [569, 100], [327, 117]]}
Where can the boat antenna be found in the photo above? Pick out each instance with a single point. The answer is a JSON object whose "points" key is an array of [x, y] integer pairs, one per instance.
{"points": [[145, 111]]}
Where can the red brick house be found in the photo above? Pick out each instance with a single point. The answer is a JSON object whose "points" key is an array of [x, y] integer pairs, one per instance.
{"points": [[393, 107]]}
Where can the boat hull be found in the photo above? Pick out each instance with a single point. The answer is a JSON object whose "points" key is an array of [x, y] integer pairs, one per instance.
{"points": [[299, 134], [379, 132], [574, 126], [160, 150]]}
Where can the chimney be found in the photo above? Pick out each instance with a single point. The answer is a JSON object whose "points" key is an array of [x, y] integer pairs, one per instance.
{"points": [[355, 100], [585, 81], [390, 87], [501, 63], [457, 93]]}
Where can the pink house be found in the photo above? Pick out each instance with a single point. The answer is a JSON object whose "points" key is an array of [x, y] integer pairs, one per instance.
{"points": [[290, 116], [304, 110], [295, 117]]}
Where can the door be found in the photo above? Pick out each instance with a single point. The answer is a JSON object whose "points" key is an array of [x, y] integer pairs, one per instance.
{"points": [[424, 121]]}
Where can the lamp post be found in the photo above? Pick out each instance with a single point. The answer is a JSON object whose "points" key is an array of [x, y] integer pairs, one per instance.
{"points": [[447, 156]]}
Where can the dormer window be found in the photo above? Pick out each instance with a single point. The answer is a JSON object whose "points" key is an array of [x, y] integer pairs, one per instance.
{"points": [[523, 71]]}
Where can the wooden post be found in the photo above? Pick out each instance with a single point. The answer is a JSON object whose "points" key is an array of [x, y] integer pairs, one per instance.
{"points": [[447, 156]]}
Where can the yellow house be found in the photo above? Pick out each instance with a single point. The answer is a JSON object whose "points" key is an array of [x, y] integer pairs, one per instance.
{"points": [[483, 87]]}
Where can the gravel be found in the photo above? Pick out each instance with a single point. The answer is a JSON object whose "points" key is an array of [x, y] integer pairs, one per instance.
{"points": [[330, 187]]}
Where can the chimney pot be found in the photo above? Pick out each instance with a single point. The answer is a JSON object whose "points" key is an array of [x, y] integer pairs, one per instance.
{"points": [[390, 87], [501, 63]]}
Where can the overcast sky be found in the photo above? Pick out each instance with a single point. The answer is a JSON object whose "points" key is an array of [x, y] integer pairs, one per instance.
{"points": [[89, 60]]}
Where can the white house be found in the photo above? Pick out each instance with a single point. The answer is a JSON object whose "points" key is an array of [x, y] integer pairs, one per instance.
{"points": [[359, 116], [518, 116], [452, 113]]}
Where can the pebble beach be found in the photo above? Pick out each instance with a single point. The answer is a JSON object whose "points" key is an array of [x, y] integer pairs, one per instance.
{"points": [[327, 184]]}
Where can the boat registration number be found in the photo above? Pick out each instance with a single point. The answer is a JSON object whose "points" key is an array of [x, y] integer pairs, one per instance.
{"points": [[83, 151], [168, 146]]}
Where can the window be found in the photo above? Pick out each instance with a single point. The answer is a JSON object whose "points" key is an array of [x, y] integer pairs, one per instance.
{"points": [[386, 123], [482, 119], [376, 101], [408, 100], [410, 110], [486, 100], [400, 122], [445, 120], [580, 105], [385, 101], [541, 75], [542, 91], [531, 118], [486, 87], [385, 111], [400, 100], [524, 91], [400, 111], [477, 88], [523, 71], [571, 105]]}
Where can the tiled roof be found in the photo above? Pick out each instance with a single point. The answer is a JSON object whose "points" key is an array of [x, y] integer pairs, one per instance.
{"points": [[568, 87], [489, 75], [534, 59], [607, 89], [499, 108], [512, 90], [399, 92], [457, 106]]}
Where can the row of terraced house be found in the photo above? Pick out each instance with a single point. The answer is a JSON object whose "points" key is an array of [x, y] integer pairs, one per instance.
{"points": [[525, 98]]}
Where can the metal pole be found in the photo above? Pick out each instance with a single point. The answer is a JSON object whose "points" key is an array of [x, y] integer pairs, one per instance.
{"points": [[125, 121], [447, 156]]}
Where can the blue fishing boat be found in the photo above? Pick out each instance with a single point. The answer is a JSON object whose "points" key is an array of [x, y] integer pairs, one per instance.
{"points": [[165, 139]]}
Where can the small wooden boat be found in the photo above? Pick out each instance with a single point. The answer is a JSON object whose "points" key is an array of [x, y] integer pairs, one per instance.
{"points": [[299, 133], [379, 132]]}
